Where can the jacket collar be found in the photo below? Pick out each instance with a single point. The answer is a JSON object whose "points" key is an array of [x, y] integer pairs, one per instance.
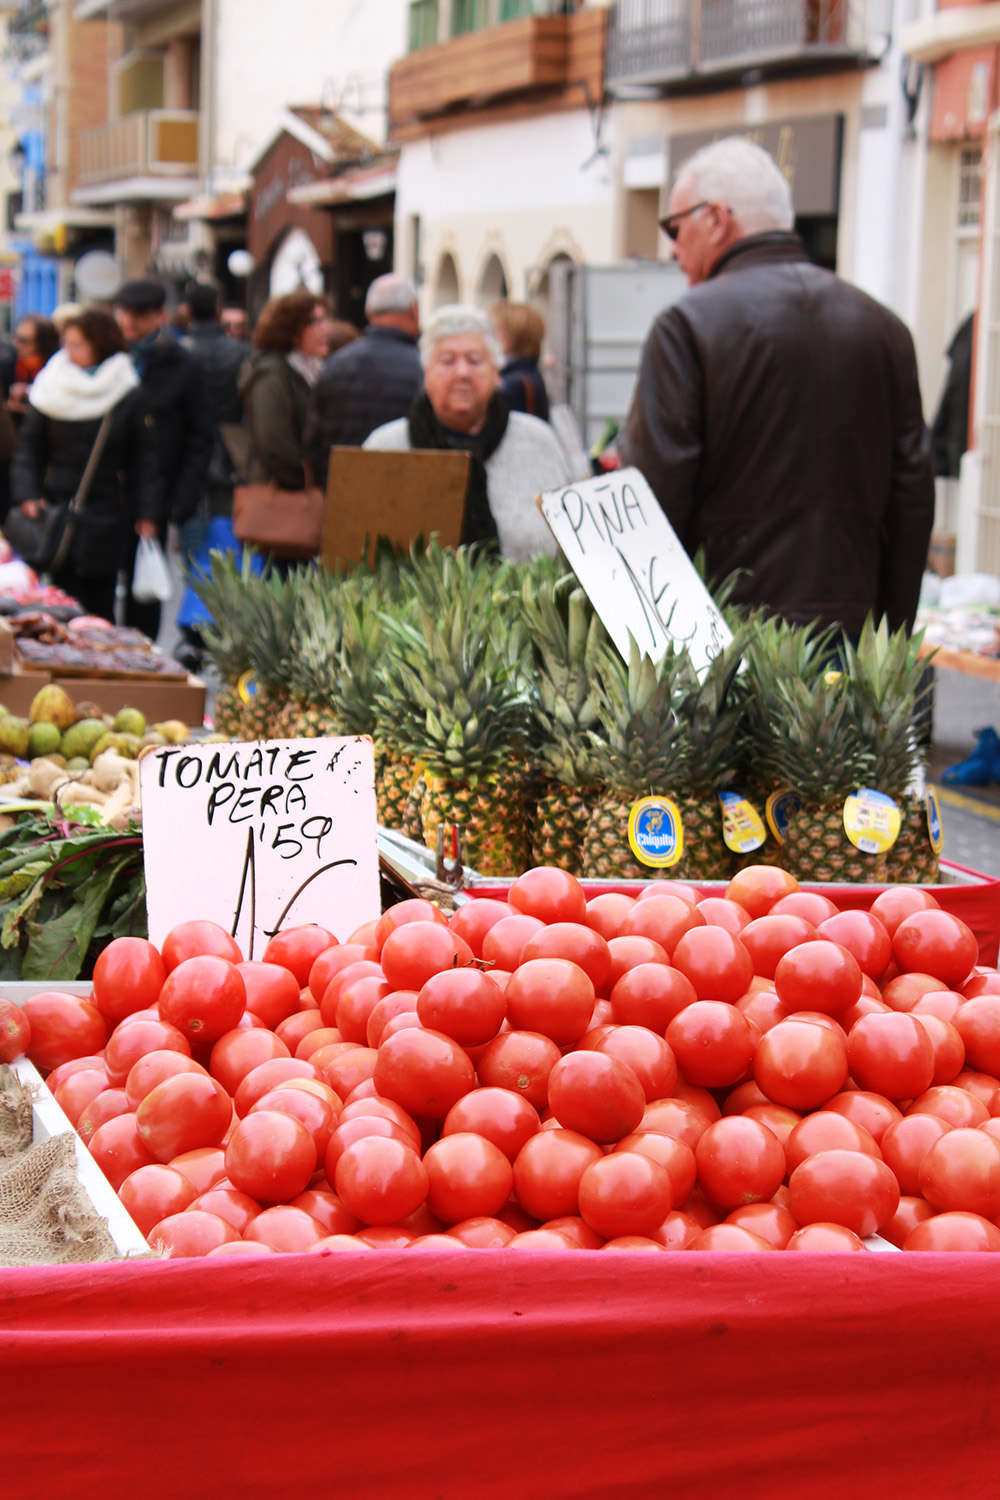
{"points": [[386, 331], [773, 247]]}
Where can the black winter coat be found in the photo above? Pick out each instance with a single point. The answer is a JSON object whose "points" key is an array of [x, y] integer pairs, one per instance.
{"points": [[275, 401], [777, 418], [220, 359], [49, 462], [523, 388], [366, 383], [182, 425]]}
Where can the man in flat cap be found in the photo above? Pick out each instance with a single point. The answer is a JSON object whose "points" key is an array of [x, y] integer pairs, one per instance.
{"points": [[179, 410]]}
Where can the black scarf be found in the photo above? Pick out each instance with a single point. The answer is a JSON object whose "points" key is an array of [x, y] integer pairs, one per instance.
{"points": [[426, 431]]}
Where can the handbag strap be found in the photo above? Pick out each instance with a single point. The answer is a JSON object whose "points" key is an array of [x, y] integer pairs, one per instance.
{"points": [[79, 500]]}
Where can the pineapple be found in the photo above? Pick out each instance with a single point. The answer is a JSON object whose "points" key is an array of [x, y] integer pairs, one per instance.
{"points": [[710, 713], [312, 675], [226, 595]]}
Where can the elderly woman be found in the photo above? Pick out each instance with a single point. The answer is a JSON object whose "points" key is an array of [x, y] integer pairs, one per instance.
{"points": [[291, 341], [513, 456]]}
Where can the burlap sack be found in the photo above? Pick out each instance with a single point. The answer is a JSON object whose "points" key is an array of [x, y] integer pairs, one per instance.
{"points": [[46, 1217]]}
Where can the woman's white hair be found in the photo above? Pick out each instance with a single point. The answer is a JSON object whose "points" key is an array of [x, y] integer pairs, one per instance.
{"points": [[745, 178], [454, 320]]}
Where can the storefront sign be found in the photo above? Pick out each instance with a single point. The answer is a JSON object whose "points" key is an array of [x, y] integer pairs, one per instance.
{"points": [[260, 836], [636, 574], [807, 150]]}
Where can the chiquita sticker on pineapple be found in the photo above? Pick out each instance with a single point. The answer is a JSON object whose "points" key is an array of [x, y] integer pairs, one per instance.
{"points": [[935, 829], [742, 826], [871, 821], [246, 686], [655, 832], [779, 810]]}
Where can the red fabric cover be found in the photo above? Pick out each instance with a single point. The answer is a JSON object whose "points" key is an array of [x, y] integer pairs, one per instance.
{"points": [[489, 1374]]}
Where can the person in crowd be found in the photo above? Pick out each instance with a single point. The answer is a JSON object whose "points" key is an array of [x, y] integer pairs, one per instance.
{"points": [[234, 323], [90, 376], [513, 456], [521, 329], [36, 339], [62, 314], [371, 382], [950, 428], [181, 415], [777, 414], [291, 341]]}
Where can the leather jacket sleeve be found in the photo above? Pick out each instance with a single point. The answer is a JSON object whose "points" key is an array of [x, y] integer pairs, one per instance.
{"points": [[663, 433]]}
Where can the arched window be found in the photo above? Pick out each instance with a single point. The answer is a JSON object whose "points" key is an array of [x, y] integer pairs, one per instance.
{"points": [[446, 281], [492, 283]]}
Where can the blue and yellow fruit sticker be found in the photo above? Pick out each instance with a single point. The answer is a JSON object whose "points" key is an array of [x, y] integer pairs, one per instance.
{"points": [[779, 810], [742, 826], [871, 821], [655, 832], [935, 829], [246, 686]]}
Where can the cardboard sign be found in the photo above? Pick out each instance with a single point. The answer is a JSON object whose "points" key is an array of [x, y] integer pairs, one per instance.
{"points": [[260, 837], [636, 574], [399, 496]]}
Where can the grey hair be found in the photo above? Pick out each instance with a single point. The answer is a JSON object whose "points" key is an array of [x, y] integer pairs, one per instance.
{"points": [[745, 178], [390, 294], [452, 321]]}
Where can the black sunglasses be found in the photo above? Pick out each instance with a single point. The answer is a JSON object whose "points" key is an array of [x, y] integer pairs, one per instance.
{"points": [[669, 225]]}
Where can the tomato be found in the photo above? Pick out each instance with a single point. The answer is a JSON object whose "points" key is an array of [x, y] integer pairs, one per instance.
{"points": [[891, 1055], [359, 1128], [977, 1022], [825, 1130], [552, 996], [577, 1231], [825, 1238], [468, 1177], [547, 1172], [625, 1193], [482, 1233], [730, 1237], [961, 1171], [107, 1105], [606, 913], [943, 1003], [238, 1209], [292, 1031], [358, 998], [424, 1071], [547, 893], [182, 1113], [768, 1220], [759, 887], [678, 1118], [540, 1239], [872, 1111], [381, 1180], [982, 1085], [937, 943], [982, 982], [952, 1104], [844, 1187], [270, 1156], [505, 940], [473, 920], [779, 1120], [808, 904], [677, 1231], [465, 1004], [195, 939], [596, 1095], [716, 962], [203, 1167], [267, 1075], [204, 997], [897, 902], [329, 1004], [286, 1229], [328, 1211], [237, 1053], [132, 1040], [118, 1149], [316, 1114], [720, 912], [352, 1066], [762, 1008], [739, 1161], [75, 1065], [864, 936], [325, 1036], [193, 1233], [328, 964], [648, 1055], [15, 1031], [903, 991], [396, 1003], [79, 1089], [962, 1232], [818, 976], [800, 1064], [504, 1118], [947, 1045], [911, 1212], [905, 1144], [651, 994], [62, 1027], [150, 1193], [385, 1109], [577, 942], [674, 1156], [767, 939], [712, 1042], [415, 951], [663, 919], [128, 976], [522, 1062], [153, 1069], [272, 992], [866, 1006]]}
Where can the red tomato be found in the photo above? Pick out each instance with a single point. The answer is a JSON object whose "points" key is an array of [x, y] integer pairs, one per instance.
{"points": [[128, 976], [79, 1089], [15, 1031], [292, 1031], [182, 1113], [712, 1042], [891, 1055], [779, 1120], [739, 1161], [540, 1239], [270, 1156], [947, 1044], [903, 991], [982, 982], [911, 1212], [547, 1172], [648, 1055], [866, 1006], [310, 1110], [678, 1231], [826, 1238], [381, 1180], [387, 1109], [767, 939], [286, 1229], [905, 1144], [577, 942], [203, 997], [983, 1085], [597, 1096], [107, 1105], [415, 951], [153, 1069], [522, 1062], [759, 887], [468, 1177], [473, 920], [482, 1233], [465, 1004], [742, 1097], [192, 1233], [825, 1130], [863, 935], [150, 1193], [577, 1231], [134, 1039], [358, 998], [678, 1118], [937, 943], [628, 952], [328, 1211], [651, 994], [720, 912], [952, 1104], [872, 1111], [237, 1053], [500, 1116], [625, 1193], [424, 1071], [943, 1003], [606, 913], [75, 1065], [330, 962], [762, 1008], [818, 976], [552, 996], [414, 910], [397, 1003], [663, 919], [297, 949], [893, 905], [272, 991], [716, 962], [325, 1036], [800, 1064], [769, 1220], [118, 1149], [551, 895], [682, 888], [238, 1209], [329, 1004], [977, 1022], [730, 1237], [844, 1187], [353, 1065], [503, 943], [195, 939], [808, 904], [961, 1171], [203, 1168], [62, 1027], [962, 1232], [359, 1128], [674, 1156]]}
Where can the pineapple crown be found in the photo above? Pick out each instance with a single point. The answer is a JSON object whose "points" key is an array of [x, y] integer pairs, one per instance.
{"points": [[640, 746], [884, 677], [564, 634]]}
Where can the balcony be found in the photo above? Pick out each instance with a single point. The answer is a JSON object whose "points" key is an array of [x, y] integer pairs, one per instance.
{"points": [[664, 42], [147, 155]]}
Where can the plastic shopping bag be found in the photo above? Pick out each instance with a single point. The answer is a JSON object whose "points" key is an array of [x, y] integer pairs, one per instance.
{"points": [[151, 580]]}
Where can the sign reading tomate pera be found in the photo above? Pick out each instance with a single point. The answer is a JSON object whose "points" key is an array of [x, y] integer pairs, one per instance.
{"points": [[633, 568], [260, 836]]}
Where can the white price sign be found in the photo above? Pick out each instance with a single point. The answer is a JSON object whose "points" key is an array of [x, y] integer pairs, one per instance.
{"points": [[260, 836], [635, 572]]}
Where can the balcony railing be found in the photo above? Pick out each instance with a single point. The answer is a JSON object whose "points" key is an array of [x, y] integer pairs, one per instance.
{"points": [[659, 40], [148, 143]]}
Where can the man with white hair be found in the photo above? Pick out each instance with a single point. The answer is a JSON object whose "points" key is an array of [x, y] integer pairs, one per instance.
{"points": [[777, 414], [369, 381]]}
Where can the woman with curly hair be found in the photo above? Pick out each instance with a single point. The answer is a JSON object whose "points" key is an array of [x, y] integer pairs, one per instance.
{"points": [[291, 341]]}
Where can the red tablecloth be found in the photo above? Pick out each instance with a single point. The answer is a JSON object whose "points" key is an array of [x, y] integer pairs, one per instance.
{"points": [[487, 1375]]}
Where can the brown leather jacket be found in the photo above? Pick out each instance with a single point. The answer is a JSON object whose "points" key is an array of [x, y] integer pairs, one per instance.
{"points": [[778, 419]]}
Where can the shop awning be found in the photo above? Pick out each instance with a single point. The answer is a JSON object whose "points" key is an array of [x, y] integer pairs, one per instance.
{"points": [[374, 180], [48, 221], [212, 207]]}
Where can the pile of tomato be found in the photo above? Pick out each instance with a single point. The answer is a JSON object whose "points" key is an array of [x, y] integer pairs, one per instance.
{"points": [[663, 1071]]}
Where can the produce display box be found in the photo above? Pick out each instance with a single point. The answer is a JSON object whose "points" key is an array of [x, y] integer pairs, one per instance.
{"points": [[48, 1119], [157, 700]]}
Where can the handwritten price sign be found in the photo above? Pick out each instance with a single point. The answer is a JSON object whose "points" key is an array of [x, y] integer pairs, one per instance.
{"points": [[260, 836], [629, 560]]}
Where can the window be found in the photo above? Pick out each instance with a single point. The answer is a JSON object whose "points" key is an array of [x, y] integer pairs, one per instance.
{"points": [[970, 187], [469, 15], [423, 24]]}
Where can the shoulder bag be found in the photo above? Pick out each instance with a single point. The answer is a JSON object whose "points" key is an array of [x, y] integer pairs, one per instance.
{"points": [[286, 523], [43, 541]]}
